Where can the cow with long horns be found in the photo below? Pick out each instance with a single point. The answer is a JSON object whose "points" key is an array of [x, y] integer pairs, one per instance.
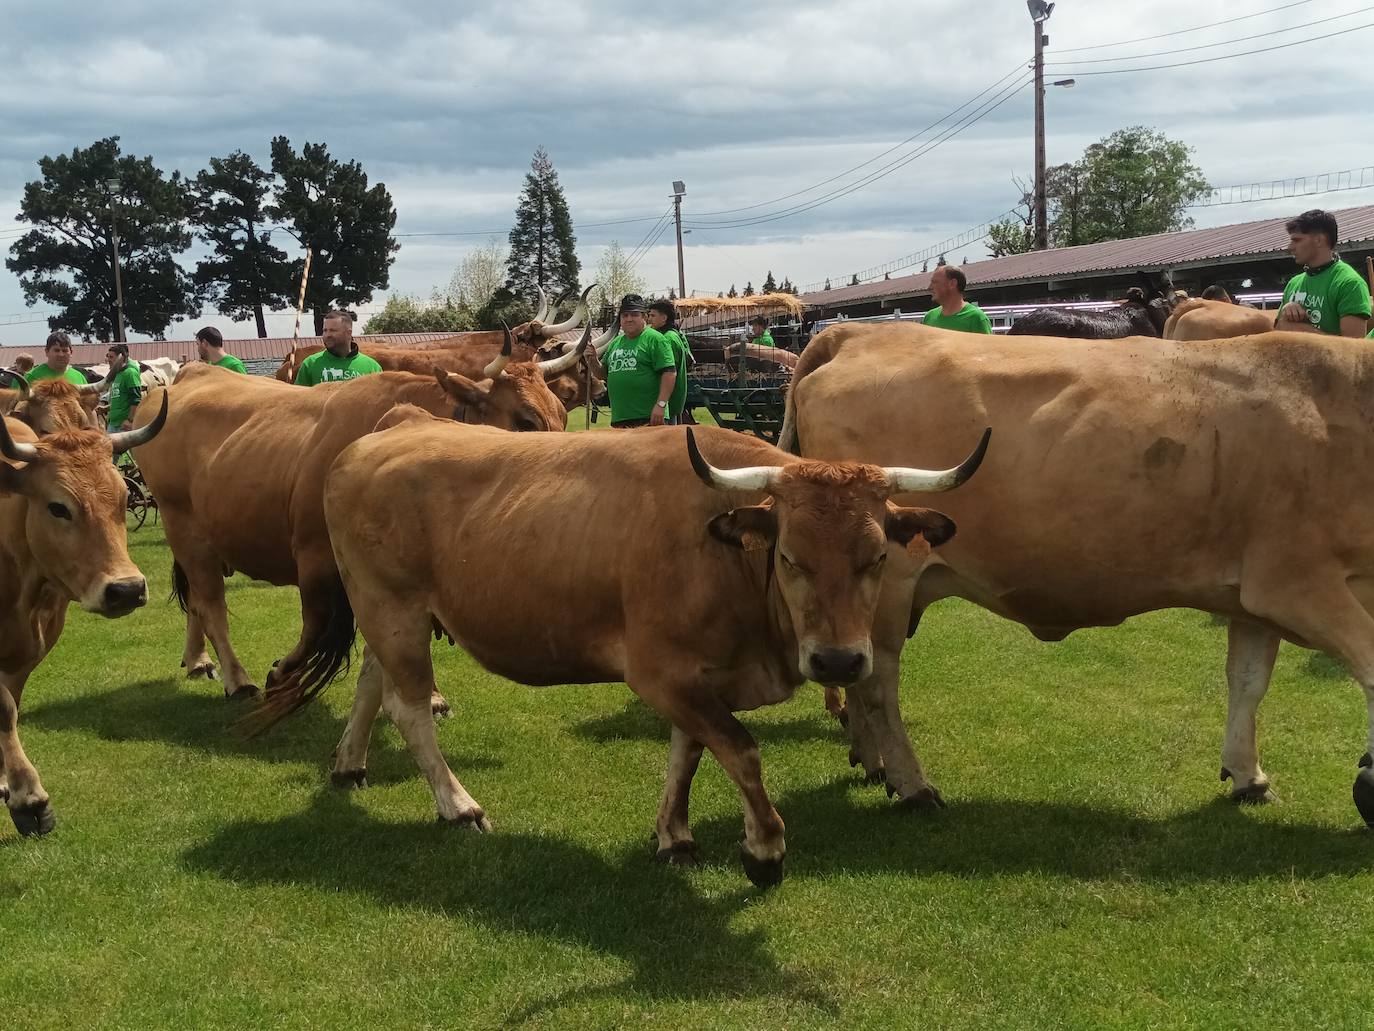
{"points": [[773, 567], [62, 539], [51, 405], [240, 482]]}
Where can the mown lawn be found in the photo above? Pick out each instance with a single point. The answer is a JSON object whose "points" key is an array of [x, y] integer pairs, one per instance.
{"points": [[1088, 873]]}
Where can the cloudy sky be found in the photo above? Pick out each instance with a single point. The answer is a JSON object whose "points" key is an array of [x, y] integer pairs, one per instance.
{"points": [[748, 104]]}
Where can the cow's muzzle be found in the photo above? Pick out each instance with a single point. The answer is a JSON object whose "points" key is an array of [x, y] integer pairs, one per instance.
{"points": [[121, 597], [843, 665]]}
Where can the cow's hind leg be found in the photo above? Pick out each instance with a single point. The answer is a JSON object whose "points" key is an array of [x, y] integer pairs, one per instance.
{"points": [[1250, 653], [350, 758], [674, 832], [834, 704], [204, 573], [20, 787], [195, 660]]}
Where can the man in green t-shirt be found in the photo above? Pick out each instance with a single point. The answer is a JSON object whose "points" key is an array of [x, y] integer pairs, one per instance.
{"points": [[210, 347], [758, 332], [640, 370], [126, 389], [57, 364], [340, 359], [1327, 296], [663, 318], [947, 286]]}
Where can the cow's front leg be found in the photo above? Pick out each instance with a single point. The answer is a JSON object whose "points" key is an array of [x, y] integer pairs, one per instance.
{"points": [[350, 758], [882, 722], [675, 844], [863, 739], [1250, 653], [1364, 781], [23, 792], [195, 658]]}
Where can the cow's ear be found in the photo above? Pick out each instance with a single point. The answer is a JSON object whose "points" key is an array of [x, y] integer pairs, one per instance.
{"points": [[463, 390], [11, 479], [904, 524], [751, 529]]}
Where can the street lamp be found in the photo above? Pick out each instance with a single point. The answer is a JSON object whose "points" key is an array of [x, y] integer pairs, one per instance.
{"points": [[1040, 13], [111, 189], [679, 191]]}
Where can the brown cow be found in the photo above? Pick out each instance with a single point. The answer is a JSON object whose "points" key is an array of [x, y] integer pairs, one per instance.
{"points": [[51, 405], [62, 539], [1222, 475], [239, 480], [1200, 319], [423, 513]]}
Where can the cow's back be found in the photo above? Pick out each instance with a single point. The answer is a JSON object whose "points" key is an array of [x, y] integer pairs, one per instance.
{"points": [[1138, 456]]}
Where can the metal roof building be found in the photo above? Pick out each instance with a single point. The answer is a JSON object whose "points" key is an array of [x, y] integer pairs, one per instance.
{"points": [[1253, 251]]}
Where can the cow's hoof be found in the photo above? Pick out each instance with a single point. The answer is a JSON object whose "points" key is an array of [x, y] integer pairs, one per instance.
{"points": [[1258, 793], [681, 853], [926, 800], [854, 759], [4, 792], [349, 779], [762, 873], [438, 705], [476, 820], [843, 717], [878, 776], [246, 693], [1364, 795], [201, 671], [33, 819], [1366, 761]]}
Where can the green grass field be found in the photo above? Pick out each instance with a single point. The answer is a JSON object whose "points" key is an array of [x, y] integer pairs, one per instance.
{"points": [[1088, 872]]}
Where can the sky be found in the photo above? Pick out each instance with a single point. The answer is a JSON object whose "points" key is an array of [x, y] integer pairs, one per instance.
{"points": [[446, 103]]}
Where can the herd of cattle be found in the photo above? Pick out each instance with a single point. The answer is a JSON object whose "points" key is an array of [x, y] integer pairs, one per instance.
{"points": [[716, 573]]}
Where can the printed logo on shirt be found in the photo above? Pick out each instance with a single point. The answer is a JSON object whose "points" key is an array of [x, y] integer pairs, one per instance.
{"points": [[1313, 304], [327, 374], [623, 361]]}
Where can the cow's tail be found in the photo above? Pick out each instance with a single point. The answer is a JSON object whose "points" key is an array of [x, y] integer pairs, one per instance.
{"points": [[181, 587], [328, 660], [820, 350]]}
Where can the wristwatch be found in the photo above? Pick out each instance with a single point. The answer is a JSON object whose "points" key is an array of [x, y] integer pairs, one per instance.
{"points": [[661, 404]]}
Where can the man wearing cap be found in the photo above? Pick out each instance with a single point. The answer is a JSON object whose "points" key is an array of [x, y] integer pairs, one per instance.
{"points": [[340, 359], [947, 286], [640, 371], [210, 347], [57, 353]]}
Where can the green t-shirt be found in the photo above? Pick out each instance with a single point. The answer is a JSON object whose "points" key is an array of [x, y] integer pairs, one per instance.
{"points": [[324, 367], [125, 392], [968, 319], [231, 363], [1329, 295], [45, 371], [678, 400], [764, 339], [633, 370]]}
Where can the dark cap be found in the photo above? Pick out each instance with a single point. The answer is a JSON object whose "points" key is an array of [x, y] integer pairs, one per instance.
{"points": [[632, 302]]}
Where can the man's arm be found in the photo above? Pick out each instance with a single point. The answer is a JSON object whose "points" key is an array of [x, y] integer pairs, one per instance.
{"points": [[666, 382], [1354, 326]]}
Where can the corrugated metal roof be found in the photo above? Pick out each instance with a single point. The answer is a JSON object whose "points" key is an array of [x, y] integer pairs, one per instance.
{"points": [[1264, 238], [249, 348]]}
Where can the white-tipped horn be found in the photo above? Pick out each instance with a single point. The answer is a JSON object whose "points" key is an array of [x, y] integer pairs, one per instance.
{"points": [[128, 439], [543, 305], [116, 367], [579, 316], [924, 481], [754, 477], [12, 449], [20, 383], [498, 363], [567, 360], [603, 341]]}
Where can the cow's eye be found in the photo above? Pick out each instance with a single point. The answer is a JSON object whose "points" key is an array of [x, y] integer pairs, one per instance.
{"points": [[59, 511], [787, 562], [877, 563]]}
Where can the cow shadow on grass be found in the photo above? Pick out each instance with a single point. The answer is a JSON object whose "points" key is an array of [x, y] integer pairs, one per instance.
{"points": [[637, 722], [195, 715], [678, 941], [827, 833]]}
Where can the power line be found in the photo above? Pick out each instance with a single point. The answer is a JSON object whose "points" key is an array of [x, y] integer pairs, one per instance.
{"points": [[645, 252], [1223, 43], [636, 254], [1180, 32], [876, 157], [873, 177], [1224, 57]]}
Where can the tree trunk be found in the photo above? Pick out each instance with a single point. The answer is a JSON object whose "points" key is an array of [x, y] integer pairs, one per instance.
{"points": [[262, 320], [319, 314]]}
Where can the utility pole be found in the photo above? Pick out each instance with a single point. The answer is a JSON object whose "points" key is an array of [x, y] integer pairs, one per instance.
{"points": [[1040, 13], [112, 187], [679, 191]]}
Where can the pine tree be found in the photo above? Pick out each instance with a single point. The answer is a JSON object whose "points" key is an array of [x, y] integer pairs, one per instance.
{"points": [[854, 279], [770, 285], [543, 250], [941, 263], [827, 284], [732, 292], [672, 294], [748, 289], [245, 274]]}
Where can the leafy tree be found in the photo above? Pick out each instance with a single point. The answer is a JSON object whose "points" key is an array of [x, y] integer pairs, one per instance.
{"points": [[245, 274], [748, 290], [941, 263], [615, 277], [787, 287], [67, 258], [770, 285], [504, 308], [477, 277], [543, 250], [410, 315], [732, 292], [346, 224]]}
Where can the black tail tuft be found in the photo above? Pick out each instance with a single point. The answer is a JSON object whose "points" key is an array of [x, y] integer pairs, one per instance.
{"points": [[181, 587], [327, 661]]}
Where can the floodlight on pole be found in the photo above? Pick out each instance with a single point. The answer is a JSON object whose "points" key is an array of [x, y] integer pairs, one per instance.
{"points": [[112, 188], [1066, 83], [1040, 13]]}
